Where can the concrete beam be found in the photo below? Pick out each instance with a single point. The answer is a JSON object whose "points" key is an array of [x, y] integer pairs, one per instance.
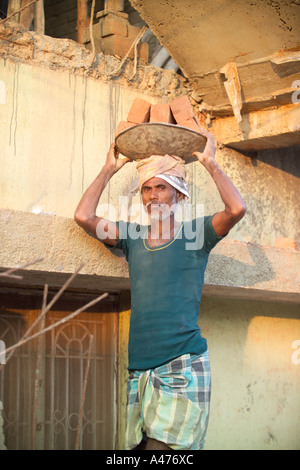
{"points": [[261, 37], [264, 85], [235, 269], [63, 247], [271, 128]]}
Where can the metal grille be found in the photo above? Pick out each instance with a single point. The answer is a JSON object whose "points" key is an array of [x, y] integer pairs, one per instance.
{"points": [[53, 420]]}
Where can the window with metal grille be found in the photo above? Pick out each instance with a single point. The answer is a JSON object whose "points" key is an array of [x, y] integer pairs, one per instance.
{"points": [[59, 390]]}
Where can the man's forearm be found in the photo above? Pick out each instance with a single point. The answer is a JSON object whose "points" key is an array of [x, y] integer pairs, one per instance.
{"points": [[85, 214], [230, 196], [235, 207], [86, 209]]}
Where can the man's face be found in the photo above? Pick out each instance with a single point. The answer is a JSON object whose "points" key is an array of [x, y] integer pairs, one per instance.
{"points": [[158, 197]]}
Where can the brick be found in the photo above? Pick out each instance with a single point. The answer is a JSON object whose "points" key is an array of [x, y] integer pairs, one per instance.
{"points": [[111, 14], [287, 243], [161, 113], [96, 33], [182, 109], [119, 46], [201, 120], [116, 5], [139, 111], [132, 31], [190, 123], [122, 126], [113, 26], [97, 43]]}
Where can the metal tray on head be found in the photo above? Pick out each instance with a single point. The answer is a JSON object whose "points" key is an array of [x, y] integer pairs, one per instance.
{"points": [[154, 138]]}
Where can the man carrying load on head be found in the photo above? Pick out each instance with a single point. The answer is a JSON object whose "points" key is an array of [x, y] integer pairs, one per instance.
{"points": [[169, 377]]}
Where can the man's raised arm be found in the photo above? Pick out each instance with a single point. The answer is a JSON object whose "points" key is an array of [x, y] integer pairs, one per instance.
{"points": [[235, 207], [85, 214]]}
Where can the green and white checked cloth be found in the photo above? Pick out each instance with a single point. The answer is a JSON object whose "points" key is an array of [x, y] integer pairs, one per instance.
{"points": [[170, 403]]}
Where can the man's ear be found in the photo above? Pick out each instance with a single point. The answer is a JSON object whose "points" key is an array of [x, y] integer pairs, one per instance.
{"points": [[179, 196]]}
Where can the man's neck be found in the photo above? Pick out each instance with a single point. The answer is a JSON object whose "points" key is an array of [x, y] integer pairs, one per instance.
{"points": [[162, 231]]}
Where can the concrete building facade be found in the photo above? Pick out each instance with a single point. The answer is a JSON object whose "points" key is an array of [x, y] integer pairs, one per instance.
{"points": [[59, 110]]}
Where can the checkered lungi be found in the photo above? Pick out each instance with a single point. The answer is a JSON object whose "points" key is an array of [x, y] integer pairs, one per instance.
{"points": [[170, 403]]}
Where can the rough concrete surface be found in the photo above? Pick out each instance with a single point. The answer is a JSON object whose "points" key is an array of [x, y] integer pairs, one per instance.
{"points": [[222, 29], [235, 269], [21, 45]]}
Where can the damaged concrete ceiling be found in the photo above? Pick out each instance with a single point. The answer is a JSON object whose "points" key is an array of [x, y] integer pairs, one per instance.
{"points": [[202, 36]]}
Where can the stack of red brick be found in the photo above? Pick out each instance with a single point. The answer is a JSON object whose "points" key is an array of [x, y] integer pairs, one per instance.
{"points": [[114, 35], [178, 111]]}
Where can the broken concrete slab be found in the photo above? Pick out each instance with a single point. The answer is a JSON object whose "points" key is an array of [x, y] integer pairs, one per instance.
{"points": [[265, 129], [250, 33]]}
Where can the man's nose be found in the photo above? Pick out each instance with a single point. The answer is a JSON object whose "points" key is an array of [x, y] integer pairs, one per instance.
{"points": [[153, 194]]}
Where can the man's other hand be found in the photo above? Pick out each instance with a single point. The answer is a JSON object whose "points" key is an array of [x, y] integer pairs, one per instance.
{"points": [[113, 162], [208, 154]]}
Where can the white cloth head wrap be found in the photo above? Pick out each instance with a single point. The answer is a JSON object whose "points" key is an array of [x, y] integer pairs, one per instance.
{"points": [[168, 167], [177, 183]]}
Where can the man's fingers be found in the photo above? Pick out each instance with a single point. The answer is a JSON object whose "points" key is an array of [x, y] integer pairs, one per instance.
{"points": [[203, 131], [123, 161], [196, 154], [116, 151], [112, 150]]}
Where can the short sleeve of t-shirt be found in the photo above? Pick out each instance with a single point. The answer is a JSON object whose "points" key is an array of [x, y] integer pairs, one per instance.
{"points": [[211, 238], [120, 248], [121, 244], [200, 235]]}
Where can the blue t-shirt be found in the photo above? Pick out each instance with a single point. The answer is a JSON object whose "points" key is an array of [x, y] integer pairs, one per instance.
{"points": [[166, 286]]}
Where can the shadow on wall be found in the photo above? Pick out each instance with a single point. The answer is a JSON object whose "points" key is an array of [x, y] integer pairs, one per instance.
{"points": [[232, 272], [285, 159], [255, 360]]}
